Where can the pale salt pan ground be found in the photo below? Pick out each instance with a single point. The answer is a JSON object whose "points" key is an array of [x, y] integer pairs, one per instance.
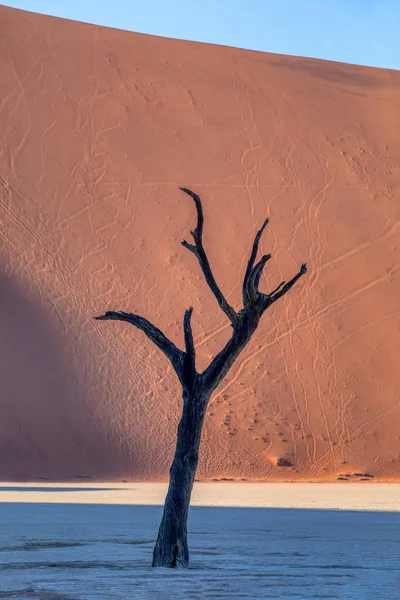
{"points": [[94, 541]]}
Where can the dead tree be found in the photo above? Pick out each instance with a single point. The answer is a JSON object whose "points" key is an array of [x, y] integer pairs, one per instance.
{"points": [[171, 549]]}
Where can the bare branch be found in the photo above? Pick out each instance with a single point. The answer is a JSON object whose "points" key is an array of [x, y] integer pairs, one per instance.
{"points": [[254, 278], [252, 259], [243, 330], [189, 361], [172, 352], [258, 270], [190, 247], [199, 251], [198, 232], [278, 292], [277, 288]]}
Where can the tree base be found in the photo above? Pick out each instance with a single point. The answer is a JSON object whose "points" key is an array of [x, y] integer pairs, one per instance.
{"points": [[171, 556]]}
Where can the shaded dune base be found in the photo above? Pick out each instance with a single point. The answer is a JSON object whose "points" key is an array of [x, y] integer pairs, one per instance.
{"points": [[98, 128]]}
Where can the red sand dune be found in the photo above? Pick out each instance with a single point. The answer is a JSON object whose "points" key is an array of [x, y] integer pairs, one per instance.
{"points": [[98, 128]]}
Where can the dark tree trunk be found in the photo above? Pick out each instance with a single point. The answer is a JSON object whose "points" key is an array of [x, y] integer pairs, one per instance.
{"points": [[171, 549]]}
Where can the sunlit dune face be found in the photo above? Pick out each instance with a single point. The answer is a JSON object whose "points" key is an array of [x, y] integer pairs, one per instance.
{"points": [[98, 130]]}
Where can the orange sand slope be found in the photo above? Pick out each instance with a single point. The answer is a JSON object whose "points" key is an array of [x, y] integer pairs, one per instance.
{"points": [[98, 128]]}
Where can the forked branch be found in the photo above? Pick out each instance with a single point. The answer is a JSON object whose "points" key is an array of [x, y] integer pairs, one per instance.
{"points": [[198, 250], [248, 282], [254, 279], [282, 288]]}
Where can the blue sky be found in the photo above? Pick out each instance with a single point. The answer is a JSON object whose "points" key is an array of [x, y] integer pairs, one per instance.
{"points": [[354, 31]]}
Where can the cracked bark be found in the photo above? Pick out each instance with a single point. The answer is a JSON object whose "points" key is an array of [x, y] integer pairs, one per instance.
{"points": [[171, 549]]}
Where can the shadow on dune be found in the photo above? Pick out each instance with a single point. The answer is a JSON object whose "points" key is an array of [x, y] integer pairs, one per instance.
{"points": [[47, 429]]}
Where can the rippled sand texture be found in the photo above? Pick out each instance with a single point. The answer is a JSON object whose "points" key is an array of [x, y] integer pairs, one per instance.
{"points": [[98, 128]]}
